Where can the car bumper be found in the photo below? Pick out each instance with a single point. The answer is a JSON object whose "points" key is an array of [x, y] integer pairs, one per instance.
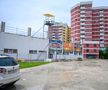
{"points": [[7, 80]]}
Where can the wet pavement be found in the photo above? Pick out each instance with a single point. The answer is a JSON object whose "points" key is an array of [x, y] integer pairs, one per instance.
{"points": [[74, 75]]}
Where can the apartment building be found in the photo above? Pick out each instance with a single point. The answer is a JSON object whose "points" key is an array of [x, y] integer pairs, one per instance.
{"points": [[81, 22], [58, 33], [89, 24], [100, 25]]}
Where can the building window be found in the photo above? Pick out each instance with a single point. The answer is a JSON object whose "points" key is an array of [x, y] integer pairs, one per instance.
{"points": [[87, 50], [87, 39], [94, 50], [10, 50], [82, 25], [94, 45], [87, 45], [42, 51], [32, 51]]}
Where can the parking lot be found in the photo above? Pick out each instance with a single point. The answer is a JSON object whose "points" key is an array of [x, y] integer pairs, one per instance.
{"points": [[74, 75]]}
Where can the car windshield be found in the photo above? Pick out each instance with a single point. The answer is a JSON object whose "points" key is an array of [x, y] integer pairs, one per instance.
{"points": [[8, 61]]}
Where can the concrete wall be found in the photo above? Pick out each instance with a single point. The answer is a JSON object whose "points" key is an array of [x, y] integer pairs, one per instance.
{"points": [[66, 57], [23, 44]]}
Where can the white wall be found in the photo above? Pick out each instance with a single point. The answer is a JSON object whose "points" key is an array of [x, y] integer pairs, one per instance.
{"points": [[23, 44], [66, 57]]}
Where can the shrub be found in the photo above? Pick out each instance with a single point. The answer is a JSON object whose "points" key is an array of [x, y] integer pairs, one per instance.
{"points": [[20, 60], [79, 59]]}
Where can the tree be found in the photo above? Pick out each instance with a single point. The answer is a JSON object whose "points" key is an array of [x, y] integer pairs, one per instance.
{"points": [[106, 53], [103, 54]]}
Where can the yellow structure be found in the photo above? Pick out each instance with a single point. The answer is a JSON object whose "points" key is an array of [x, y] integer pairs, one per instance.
{"points": [[66, 34], [48, 15], [49, 19]]}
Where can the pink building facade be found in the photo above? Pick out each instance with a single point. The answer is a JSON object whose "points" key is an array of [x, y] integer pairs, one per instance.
{"points": [[81, 23], [100, 25], [91, 49], [89, 24]]}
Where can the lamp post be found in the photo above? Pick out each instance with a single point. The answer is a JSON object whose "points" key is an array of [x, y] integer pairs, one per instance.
{"points": [[72, 39]]}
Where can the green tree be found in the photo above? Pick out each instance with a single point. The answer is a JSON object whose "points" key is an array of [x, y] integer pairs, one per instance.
{"points": [[101, 54], [106, 53]]}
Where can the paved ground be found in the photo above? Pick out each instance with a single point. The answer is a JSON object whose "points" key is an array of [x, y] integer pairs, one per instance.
{"points": [[75, 75]]}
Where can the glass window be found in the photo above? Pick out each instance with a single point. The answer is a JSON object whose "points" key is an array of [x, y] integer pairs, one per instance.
{"points": [[94, 45], [8, 61], [32, 51], [10, 50], [87, 50], [94, 50], [87, 45], [42, 51]]}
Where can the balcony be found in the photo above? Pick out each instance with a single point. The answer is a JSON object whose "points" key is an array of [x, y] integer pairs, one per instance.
{"points": [[82, 28], [101, 26], [102, 42], [82, 36], [101, 19], [101, 12], [101, 22], [82, 32], [82, 15], [101, 30], [82, 23], [82, 8], [101, 34], [101, 15], [101, 45], [101, 37], [82, 19], [82, 12]]}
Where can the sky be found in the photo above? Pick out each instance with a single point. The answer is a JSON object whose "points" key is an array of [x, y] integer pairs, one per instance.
{"points": [[29, 13]]}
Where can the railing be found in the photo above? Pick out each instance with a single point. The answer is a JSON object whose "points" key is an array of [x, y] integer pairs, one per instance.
{"points": [[15, 30], [20, 31]]}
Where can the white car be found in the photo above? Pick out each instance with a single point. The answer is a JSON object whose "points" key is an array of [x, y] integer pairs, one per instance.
{"points": [[9, 71]]}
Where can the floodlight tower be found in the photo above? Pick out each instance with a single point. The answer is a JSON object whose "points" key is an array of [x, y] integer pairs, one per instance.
{"points": [[49, 20]]}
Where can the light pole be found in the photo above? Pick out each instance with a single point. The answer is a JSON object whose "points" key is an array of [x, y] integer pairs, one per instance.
{"points": [[72, 39]]}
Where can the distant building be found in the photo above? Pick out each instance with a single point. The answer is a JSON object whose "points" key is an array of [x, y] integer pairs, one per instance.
{"points": [[66, 35], [100, 26], [89, 24], [58, 34]]}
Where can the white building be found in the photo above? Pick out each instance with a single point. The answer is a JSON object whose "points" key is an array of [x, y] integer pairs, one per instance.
{"points": [[23, 47]]}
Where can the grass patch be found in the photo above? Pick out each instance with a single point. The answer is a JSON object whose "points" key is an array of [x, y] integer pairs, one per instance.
{"points": [[31, 64]]}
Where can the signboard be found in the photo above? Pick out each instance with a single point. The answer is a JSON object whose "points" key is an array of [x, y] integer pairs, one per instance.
{"points": [[55, 43], [68, 47]]}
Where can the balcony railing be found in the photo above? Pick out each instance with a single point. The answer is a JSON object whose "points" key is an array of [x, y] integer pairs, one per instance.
{"points": [[101, 37]]}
